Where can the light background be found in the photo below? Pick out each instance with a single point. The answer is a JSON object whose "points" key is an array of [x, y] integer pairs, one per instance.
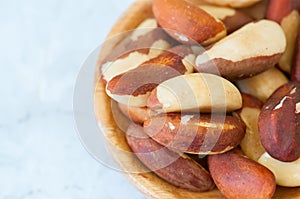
{"points": [[42, 45]]}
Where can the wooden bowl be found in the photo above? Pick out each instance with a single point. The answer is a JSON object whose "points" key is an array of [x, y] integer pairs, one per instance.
{"points": [[148, 183]]}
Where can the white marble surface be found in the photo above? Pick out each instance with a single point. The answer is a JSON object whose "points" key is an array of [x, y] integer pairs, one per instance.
{"points": [[42, 45]]}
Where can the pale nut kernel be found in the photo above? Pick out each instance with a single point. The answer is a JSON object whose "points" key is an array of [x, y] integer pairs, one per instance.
{"points": [[264, 84], [145, 42], [249, 114], [290, 25], [136, 114], [287, 174], [234, 3], [195, 92], [246, 52], [231, 18], [133, 87]]}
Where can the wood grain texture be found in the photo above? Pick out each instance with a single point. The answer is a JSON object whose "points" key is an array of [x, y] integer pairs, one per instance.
{"points": [[148, 183]]}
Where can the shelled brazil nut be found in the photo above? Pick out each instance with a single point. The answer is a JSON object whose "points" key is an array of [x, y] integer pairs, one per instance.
{"points": [[279, 125], [232, 18], [246, 52], [134, 86], [195, 92], [237, 176], [196, 133], [190, 24], [189, 100], [145, 42], [180, 170]]}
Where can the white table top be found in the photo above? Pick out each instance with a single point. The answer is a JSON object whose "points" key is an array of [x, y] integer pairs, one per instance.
{"points": [[42, 46]]}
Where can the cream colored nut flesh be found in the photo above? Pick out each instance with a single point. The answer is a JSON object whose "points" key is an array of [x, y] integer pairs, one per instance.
{"points": [[144, 28], [231, 18], [194, 92], [255, 39], [264, 84], [133, 87], [286, 173], [249, 114], [136, 56], [114, 68], [219, 12], [233, 3], [257, 11], [251, 144], [248, 51], [290, 25], [133, 60]]}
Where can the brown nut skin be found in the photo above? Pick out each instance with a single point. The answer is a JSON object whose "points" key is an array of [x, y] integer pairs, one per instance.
{"points": [[245, 59], [139, 82], [278, 9], [237, 21], [239, 177], [190, 24], [279, 125], [196, 134], [179, 170], [251, 102], [128, 45], [136, 114], [151, 71], [232, 19], [256, 11], [145, 42], [233, 3]]}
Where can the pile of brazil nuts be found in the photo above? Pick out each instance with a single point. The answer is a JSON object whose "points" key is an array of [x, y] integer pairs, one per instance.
{"points": [[217, 78]]}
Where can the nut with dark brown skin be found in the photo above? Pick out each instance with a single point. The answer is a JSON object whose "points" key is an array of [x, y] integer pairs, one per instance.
{"points": [[133, 87], [145, 42], [179, 170], [286, 12], [233, 3], [232, 19], [278, 9], [196, 134], [239, 177], [136, 114], [188, 23], [246, 52], [279, 125], [256, 11]]}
